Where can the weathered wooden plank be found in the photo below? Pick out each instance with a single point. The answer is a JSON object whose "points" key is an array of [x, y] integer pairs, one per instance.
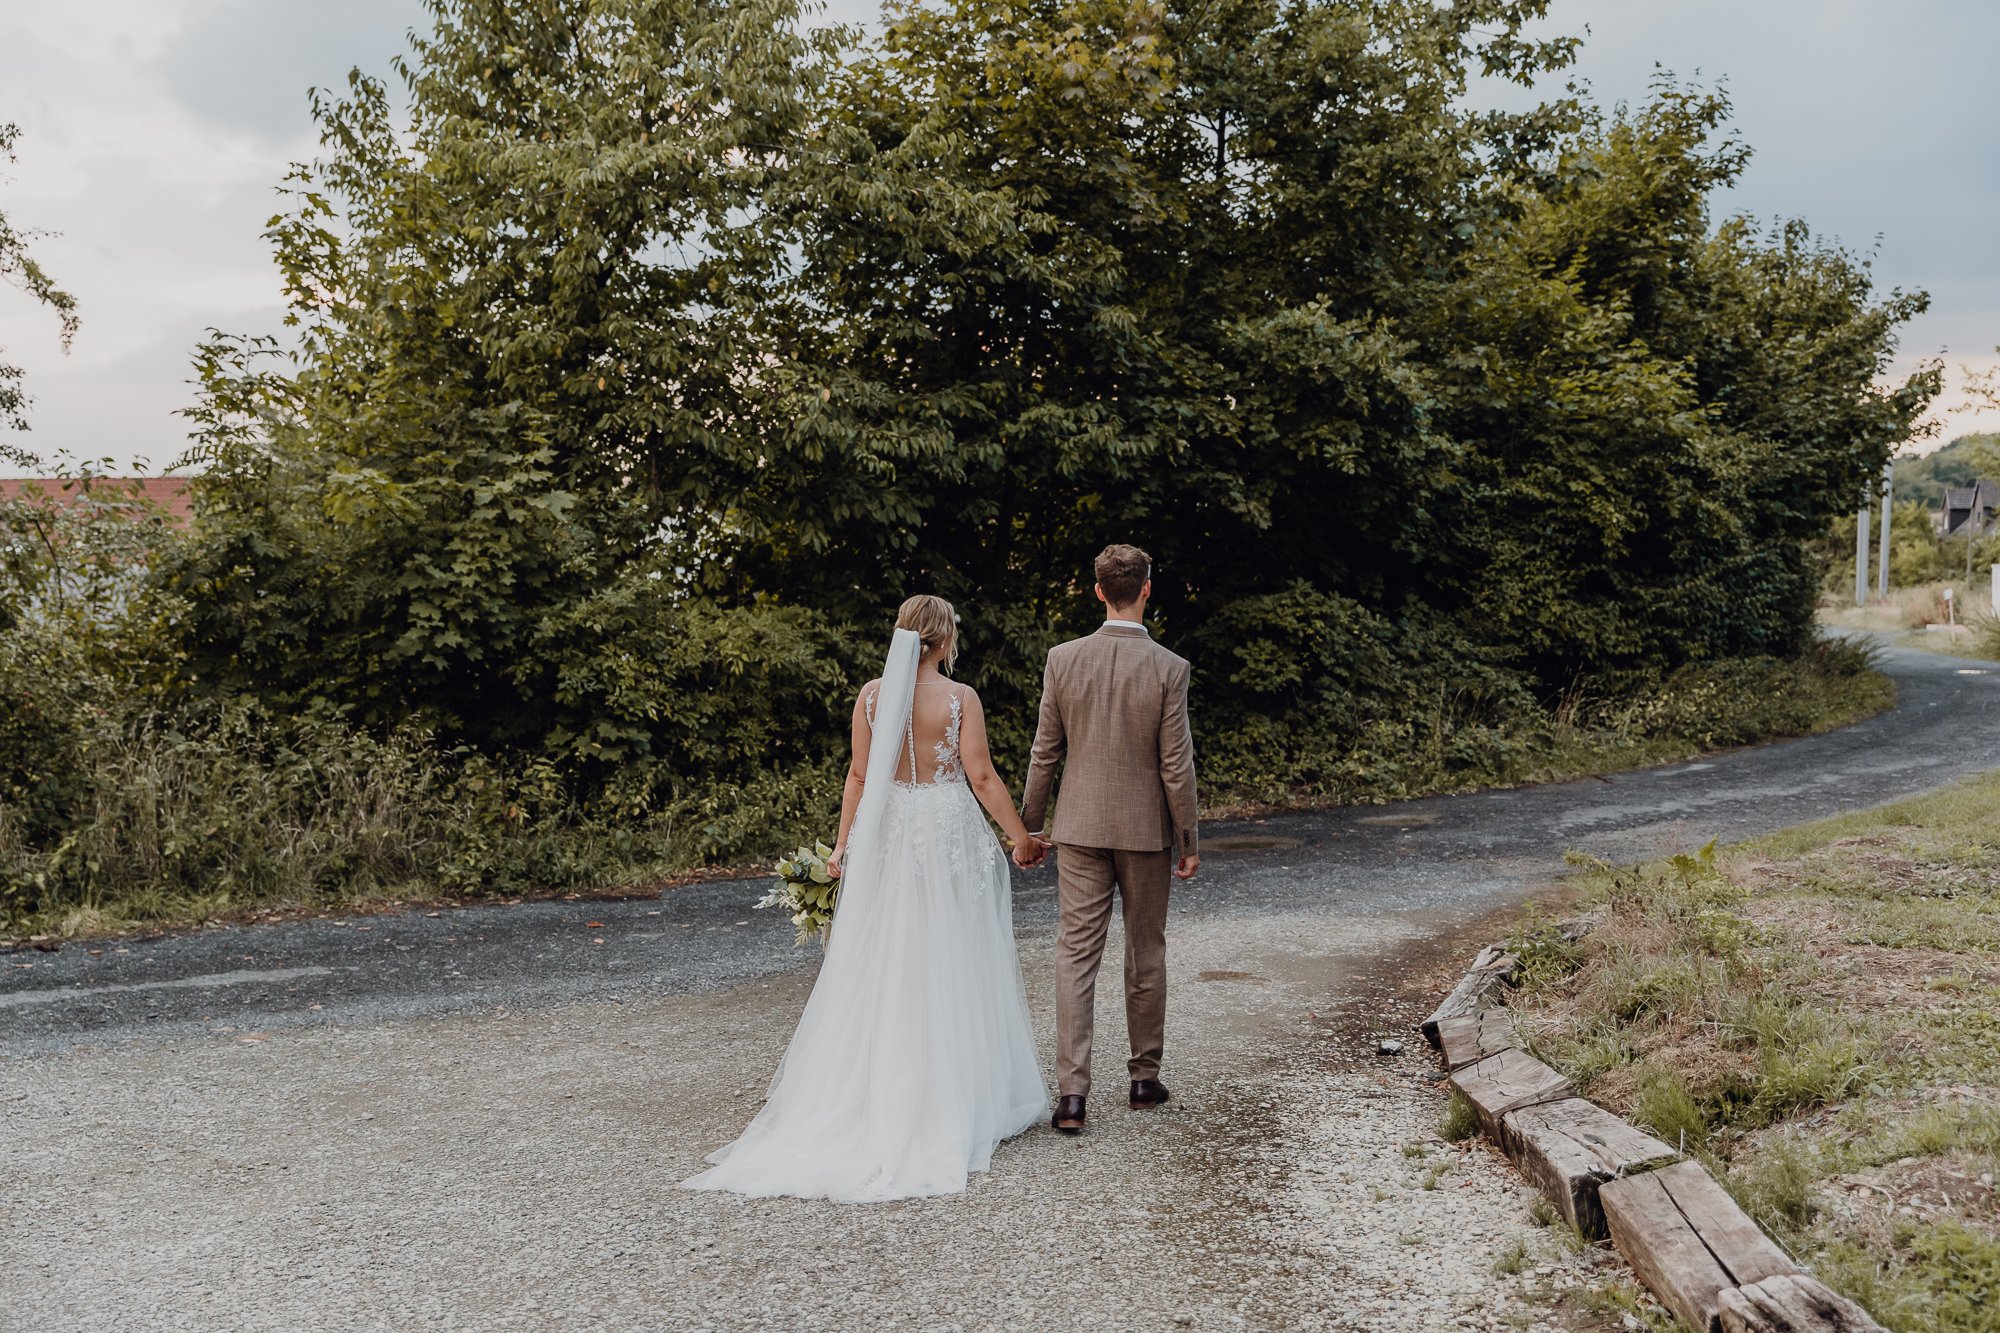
{"points": [[1508, 1081], [1474, 991], [1687, 1240], [1569, 1149], [1737, 1242], [1792, 1303], [1470, 1037], [1663, 1249]]}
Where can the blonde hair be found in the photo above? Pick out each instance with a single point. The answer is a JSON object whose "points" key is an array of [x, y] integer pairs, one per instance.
{"points": [[934, 622]]}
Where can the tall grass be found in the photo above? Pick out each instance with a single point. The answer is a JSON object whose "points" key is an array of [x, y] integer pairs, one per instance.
{"points": [[220, 809], [192, 815]]}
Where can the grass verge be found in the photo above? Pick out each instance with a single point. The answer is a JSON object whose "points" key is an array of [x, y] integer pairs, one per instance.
{"points": [[1813, 1015]]}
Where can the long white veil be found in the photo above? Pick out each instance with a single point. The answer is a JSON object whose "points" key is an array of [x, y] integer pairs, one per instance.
{"points": [[892, 718]]}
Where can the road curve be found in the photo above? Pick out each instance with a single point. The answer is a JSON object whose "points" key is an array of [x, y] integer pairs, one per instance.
{"points": [[1440, 858]]}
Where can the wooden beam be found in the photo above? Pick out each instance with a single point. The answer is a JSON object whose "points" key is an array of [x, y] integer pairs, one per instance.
{"points": [[1471, 1037], [1569, 1149], [1792, 1303], [1506, 1081], [1687, 1240], [1474, 991]]}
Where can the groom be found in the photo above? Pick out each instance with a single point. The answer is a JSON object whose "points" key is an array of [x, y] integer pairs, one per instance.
{"points": [[1114, 703]]}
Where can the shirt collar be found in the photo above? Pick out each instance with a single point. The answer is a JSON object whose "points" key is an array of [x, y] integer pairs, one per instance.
{"points": [[1126, 624]]}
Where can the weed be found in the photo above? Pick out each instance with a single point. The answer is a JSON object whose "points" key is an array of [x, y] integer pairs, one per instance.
{"points": [[1942, 1277], [1642, 987], [1819, 1073], [1778, 1189], [1585, 1057], [1512, 1259], [1544, 955], [1459, 1121], [1620, 1298], [1668, 1107], [1933, 1132]]}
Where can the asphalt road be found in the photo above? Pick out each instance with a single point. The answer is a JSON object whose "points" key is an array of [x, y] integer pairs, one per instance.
{"points": [[476, 1118], [1441, 859]]}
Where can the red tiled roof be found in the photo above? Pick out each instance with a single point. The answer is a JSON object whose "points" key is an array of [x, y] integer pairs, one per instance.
{"points": [[169, 493]]}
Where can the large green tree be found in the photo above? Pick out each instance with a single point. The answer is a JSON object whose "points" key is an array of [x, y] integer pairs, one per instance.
{"points": [[1074, 273], [526, 398]]}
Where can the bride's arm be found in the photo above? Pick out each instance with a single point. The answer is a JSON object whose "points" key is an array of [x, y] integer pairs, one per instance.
{"points": [[857, 777], [977, 760]]}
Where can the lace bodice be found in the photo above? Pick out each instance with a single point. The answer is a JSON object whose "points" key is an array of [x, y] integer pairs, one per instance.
{"points": [[946, 766], [945, 752]]}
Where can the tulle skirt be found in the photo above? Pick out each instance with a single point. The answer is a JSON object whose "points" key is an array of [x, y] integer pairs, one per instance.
{"points": [[914, 1056]]}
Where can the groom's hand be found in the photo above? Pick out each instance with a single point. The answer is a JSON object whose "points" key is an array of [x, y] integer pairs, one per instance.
{"points": [[1031, 853], [1188, 865]]}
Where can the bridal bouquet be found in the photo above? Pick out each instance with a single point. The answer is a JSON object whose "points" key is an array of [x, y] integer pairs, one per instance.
{"points": [[806, 890]]}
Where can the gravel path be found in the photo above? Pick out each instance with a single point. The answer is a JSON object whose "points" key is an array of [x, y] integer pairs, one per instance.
{"points": [[515, 1170]]}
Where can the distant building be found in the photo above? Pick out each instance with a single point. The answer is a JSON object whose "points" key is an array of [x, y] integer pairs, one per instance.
{"points": [[1974, 504], [169, 494]]}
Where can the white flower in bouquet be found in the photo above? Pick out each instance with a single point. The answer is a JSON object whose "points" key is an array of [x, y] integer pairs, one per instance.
{"points": [[806, 889]]}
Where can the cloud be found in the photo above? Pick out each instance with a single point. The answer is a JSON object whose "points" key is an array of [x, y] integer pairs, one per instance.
{"points": [[156, 131], [247, 65]]}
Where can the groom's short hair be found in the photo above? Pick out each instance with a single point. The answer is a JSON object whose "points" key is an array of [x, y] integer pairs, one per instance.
{"points": [[1122, 571]]}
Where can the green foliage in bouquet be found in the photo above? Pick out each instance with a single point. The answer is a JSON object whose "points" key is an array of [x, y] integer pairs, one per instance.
{"points": [[806, 889]]}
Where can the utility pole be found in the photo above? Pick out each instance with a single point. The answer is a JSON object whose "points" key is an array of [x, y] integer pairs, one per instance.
{"points": [[1882, 557], [1861, 552]]}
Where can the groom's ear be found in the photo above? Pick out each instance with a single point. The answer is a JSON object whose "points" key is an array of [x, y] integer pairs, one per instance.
{"points": [[1099, 589]]}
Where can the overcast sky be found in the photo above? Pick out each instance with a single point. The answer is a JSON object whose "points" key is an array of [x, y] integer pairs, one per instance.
{"points": [[155, 132]]}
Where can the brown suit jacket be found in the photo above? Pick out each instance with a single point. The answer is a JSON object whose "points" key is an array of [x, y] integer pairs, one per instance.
{"points": [[1115, 704]]}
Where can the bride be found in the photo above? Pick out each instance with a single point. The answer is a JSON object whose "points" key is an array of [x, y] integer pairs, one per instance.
{"points": [[914, 1056]]}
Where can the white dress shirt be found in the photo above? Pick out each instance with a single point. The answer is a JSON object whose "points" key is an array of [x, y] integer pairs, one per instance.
{"points": [[1129, 624]]}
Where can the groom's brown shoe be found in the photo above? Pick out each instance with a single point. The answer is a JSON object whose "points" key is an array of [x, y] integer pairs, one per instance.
{"points": [[1148, 1092], [1068, 1118]]}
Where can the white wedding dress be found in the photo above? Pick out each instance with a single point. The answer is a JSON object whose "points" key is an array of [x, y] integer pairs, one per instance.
{"points": [[914, 1056]]}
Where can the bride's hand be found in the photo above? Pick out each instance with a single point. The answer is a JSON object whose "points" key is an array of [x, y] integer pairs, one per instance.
{"points": [[1030, 853], [833, 861]]}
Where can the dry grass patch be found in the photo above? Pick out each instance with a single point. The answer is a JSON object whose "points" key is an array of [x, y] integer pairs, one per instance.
{"points": [[1816, 1016]]}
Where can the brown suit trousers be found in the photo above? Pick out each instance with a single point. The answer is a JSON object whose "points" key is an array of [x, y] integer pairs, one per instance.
{"points": [[1085, 876], [1114, 717]]}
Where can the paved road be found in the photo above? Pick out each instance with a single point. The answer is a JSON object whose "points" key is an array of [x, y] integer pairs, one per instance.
{"points": [[474, 1119], [1441, 858]]}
